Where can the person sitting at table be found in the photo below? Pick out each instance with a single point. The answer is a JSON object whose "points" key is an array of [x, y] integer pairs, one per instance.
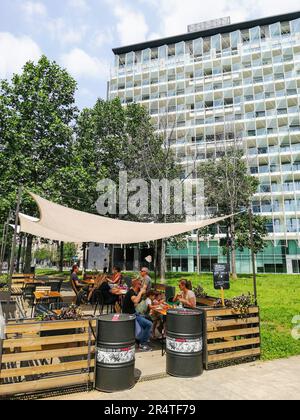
{"points": [[80, 289], [131, 301], [110, 296], [154, 299], [116, 277], [186, 297]]}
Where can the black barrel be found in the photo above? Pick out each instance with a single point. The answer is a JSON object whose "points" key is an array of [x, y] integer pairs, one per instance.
{"points": [[115, 353], [185, 343]]}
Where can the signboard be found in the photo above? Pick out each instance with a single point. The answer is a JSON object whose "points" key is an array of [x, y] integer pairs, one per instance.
{"points": [[222, 276]]}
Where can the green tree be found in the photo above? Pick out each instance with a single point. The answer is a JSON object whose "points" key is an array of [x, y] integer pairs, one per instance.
{"points": [[259, 232], [112, 138], [229, 189], [36, 126]]}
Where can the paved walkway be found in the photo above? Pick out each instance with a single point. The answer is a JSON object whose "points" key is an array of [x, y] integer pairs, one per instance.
{"points": [[260, 381]]}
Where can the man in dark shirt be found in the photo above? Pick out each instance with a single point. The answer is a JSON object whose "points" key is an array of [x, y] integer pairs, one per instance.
{"points": [[132, 299]]}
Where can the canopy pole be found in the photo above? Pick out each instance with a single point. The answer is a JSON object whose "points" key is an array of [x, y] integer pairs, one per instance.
{"points": [[253, 257], [4, 241], [13, 250]]}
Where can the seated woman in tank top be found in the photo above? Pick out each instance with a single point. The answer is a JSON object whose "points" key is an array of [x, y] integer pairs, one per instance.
{"points": [[186, 297]]}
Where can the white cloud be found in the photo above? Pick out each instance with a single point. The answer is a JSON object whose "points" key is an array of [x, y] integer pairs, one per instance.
{"points": [[80, 5], [15, 52], [64, 33], [103, 37], [176, 15], [82, 65], [34, 9], [131, 25]]}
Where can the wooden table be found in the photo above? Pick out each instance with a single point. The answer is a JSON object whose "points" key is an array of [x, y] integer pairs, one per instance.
{"points": [[162, 309], [45, 295], [39, 296]]}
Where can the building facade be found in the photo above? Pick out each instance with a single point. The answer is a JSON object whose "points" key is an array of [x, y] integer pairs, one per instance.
{"points": [[208, 88]]}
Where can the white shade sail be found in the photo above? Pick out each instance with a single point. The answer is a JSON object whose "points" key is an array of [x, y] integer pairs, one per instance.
{"points": [[67, 225]]}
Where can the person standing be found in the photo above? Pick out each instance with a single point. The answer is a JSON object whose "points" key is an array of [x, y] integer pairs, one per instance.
{"points": [[132, 299], [146, 279]]}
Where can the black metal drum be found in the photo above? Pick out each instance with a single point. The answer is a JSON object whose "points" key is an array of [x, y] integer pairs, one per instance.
{"points": [[184, 343], [115, 353]]}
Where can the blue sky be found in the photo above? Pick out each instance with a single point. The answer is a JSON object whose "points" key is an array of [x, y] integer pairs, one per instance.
{"points": [[79, 34]]}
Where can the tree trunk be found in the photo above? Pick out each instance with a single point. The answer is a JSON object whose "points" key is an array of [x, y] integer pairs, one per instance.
{"points": [[111, 258], [233, 251], [28, 255], [198, 253], [19, 253], [136, 261], [125, 258], [61, 257], [23, 253], [161, 259]]}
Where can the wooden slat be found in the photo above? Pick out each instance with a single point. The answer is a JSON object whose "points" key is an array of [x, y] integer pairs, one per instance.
{"points": [[211, 325], [234, 355], [44, 341], [233, 344], [229, 312], [40, 370], [44, 384], [44, 355], [47, 326], [232, 333]]}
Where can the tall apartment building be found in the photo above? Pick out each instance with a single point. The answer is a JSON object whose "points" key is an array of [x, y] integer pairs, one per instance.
{"points": [[216, 84]]}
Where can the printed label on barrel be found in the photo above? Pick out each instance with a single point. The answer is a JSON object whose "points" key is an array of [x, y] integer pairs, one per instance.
{"points": [[184, 345], [115, 356]]}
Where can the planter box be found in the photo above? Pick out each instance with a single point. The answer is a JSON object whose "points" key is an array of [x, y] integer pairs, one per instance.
{"points": [[207, 301], [230, 337], [39, 356]]}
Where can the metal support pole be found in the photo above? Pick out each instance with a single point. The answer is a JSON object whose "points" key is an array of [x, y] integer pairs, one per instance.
{"points": [[253, 253], [13, 250]]}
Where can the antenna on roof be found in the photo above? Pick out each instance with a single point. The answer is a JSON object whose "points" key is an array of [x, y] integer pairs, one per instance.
{"points": [[209, 24]]}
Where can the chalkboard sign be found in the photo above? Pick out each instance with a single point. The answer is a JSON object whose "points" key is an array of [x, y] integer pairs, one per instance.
{"points": [[222, 276]]}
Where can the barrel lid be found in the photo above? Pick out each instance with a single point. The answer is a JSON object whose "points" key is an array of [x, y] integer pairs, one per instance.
{"points": [[116, 318], [184, 312]]}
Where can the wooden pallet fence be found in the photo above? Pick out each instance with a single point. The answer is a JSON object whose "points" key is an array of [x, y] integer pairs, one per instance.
{"points": [[40, 356], [230, 336]]}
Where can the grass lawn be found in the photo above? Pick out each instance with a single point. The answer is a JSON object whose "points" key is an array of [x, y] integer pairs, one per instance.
{"points": [[279, 301], [278, 298]]}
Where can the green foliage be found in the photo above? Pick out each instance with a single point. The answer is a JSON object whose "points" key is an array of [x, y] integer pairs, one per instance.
{"points": [[36, 125], [259, 231], [229, 189]]}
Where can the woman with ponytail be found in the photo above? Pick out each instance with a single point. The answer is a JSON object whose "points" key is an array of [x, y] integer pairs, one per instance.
{"points": [[187, 297]]}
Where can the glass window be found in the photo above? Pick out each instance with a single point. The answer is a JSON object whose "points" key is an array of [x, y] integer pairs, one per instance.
{"points": [[275, 30], [163, 52], [295, 26], [255, 34], [235, 38], [216, 42], [198, 47], [129, 59], [146, 55], [180, 49]]}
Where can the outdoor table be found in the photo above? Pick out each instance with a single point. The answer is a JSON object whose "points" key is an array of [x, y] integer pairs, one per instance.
{"points": [[89, 282], [40, 296]]}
